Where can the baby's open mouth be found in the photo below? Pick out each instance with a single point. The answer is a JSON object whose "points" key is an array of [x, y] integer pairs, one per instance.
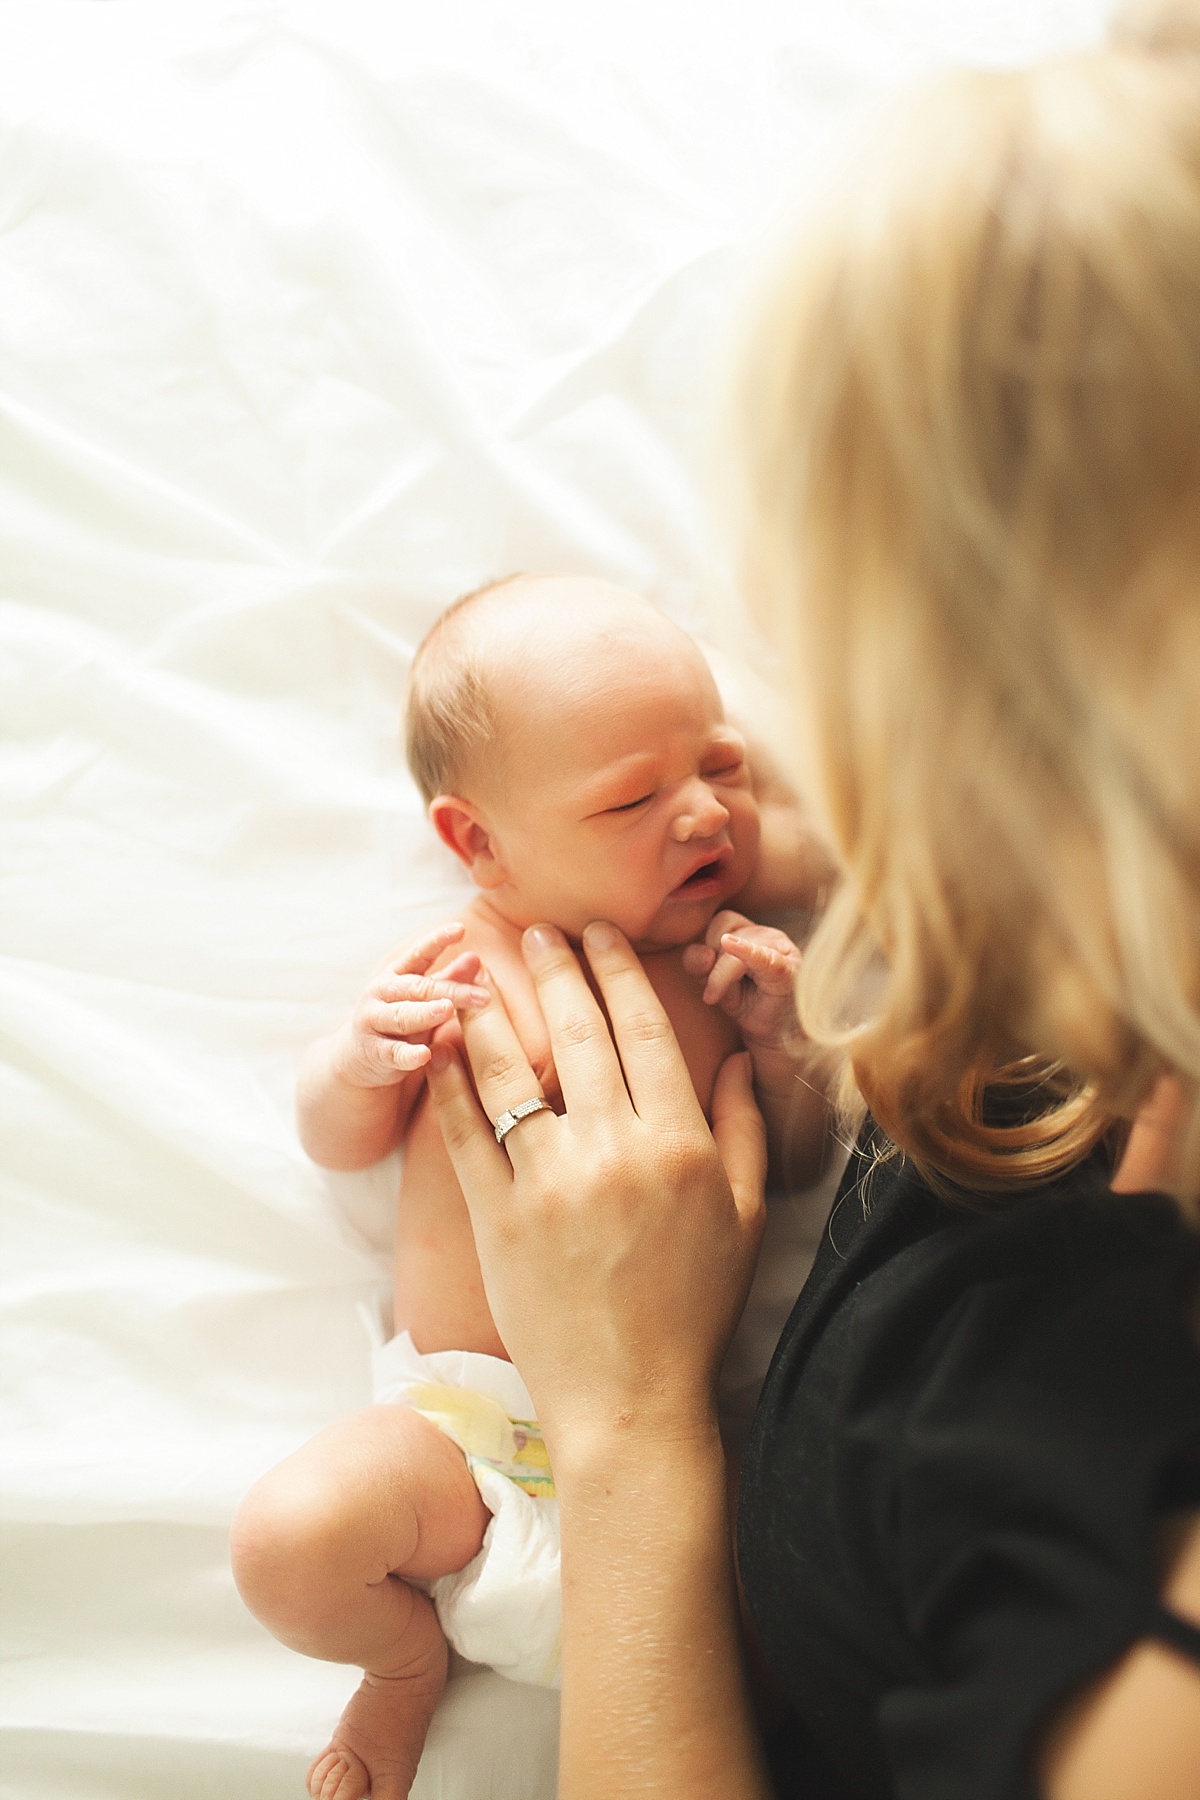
{"points": [[705, 872], [703, 877]]}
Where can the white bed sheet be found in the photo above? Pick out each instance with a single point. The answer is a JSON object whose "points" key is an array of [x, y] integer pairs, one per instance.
{"points": [[311, 317]]}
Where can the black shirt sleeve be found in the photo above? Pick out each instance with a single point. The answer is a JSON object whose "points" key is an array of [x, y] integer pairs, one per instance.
{"points": [[950, 1493]]}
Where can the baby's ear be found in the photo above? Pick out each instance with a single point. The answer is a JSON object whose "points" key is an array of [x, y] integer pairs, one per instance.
{"points": [[463, 829]]}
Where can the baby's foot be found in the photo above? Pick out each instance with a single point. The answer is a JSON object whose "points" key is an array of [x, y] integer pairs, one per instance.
{"points": [[378, 1740]]}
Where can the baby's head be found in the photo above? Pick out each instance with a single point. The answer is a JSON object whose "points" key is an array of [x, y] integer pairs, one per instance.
{"points": [[572, 748]]}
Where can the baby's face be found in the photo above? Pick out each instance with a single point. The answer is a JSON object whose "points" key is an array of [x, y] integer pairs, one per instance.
{"points": [[621, 792]]}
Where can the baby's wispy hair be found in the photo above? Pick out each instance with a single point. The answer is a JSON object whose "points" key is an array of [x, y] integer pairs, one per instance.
{"points": [[449, 706]]}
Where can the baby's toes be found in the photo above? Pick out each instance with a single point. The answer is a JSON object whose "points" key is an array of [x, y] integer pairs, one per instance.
{"points": [[338, 1775]]}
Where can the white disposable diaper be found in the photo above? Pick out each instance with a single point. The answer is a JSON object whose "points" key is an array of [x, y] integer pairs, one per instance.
{"points": [[505, 1607]]}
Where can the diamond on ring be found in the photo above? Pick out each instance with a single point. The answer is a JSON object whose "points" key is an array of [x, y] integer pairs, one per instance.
{"points": [[504, 1124]]}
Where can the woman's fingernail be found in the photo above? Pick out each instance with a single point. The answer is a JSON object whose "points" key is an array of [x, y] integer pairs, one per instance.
{"points": [[541, 938], [601, 936]]}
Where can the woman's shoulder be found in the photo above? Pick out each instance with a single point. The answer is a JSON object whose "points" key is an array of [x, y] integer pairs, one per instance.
{"points": [[889, 1218], [1056, 1285]]}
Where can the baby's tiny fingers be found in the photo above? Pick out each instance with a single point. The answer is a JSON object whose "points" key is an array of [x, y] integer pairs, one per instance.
{"points": [[417, 958], [698, 959], [427, 988], [410, 1018], [409, 1056], [771, 967], [464, 968], [727, 972]]}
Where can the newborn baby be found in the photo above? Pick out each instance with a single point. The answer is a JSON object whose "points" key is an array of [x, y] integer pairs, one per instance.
{"points": [[572, 749]]}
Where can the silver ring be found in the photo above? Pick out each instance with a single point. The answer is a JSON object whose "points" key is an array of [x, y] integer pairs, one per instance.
{"points": [[504, 1124]]}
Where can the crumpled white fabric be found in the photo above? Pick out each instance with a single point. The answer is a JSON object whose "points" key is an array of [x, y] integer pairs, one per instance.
{"points": [[311, 317]]}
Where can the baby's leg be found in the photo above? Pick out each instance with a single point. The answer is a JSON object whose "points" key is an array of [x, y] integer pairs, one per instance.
{"points": [[319, 1548]]}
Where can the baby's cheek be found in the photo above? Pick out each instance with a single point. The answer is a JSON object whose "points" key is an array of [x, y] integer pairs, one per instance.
{"points": [[746, 833]]}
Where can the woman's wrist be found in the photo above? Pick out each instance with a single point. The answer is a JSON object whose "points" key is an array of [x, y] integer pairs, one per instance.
{"points": [[653, 1681], [633, 1434]]}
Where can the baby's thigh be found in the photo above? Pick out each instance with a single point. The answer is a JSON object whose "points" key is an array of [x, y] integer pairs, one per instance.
{"points": [[381, 1492]]}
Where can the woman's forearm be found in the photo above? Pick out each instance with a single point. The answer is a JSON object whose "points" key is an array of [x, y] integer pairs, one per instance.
{"points": [[654, 1692]]}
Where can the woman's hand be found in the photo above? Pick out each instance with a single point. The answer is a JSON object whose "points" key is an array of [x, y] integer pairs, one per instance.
{"points": [[617, 1242]]}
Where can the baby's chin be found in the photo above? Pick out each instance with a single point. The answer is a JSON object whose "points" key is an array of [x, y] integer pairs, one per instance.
{"points": [[672, 933]]}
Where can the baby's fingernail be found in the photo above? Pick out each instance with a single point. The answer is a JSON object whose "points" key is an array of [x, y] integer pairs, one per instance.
{"points": [[540, 939], [475, 998]]}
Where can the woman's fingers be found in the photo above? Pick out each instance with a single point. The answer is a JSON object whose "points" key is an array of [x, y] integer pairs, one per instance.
{"points": [[741, 1137], [483, 1169], [655, 1072], [585, 1058], [503, 1074]]}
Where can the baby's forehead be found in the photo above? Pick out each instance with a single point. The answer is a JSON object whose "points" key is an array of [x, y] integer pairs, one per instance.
{"points": [[565, 635], [613, 678]]}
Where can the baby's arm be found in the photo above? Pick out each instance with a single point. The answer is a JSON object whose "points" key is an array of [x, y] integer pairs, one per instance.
{"points": [[751, 974], [357, 1087]]}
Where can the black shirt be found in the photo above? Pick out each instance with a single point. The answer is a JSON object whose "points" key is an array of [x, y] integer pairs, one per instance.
{"points": [[947, 1509]]}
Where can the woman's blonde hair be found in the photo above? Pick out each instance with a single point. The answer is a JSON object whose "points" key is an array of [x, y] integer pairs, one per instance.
{"points": [[972, 410]]}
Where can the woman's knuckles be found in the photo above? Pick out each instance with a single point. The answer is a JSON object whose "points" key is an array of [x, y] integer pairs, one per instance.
{"points": [[497, 1067], [575, 1029], [647, 1027]]}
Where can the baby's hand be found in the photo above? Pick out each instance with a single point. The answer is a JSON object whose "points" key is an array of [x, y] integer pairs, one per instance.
{"points": [[388, 1035], [751, 972]]}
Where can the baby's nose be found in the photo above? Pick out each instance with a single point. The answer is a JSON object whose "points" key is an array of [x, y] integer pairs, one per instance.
{"points": [[700, 815]]}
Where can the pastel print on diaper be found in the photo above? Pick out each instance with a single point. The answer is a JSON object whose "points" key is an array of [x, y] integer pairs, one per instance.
{"points": [[485, 1434]]}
